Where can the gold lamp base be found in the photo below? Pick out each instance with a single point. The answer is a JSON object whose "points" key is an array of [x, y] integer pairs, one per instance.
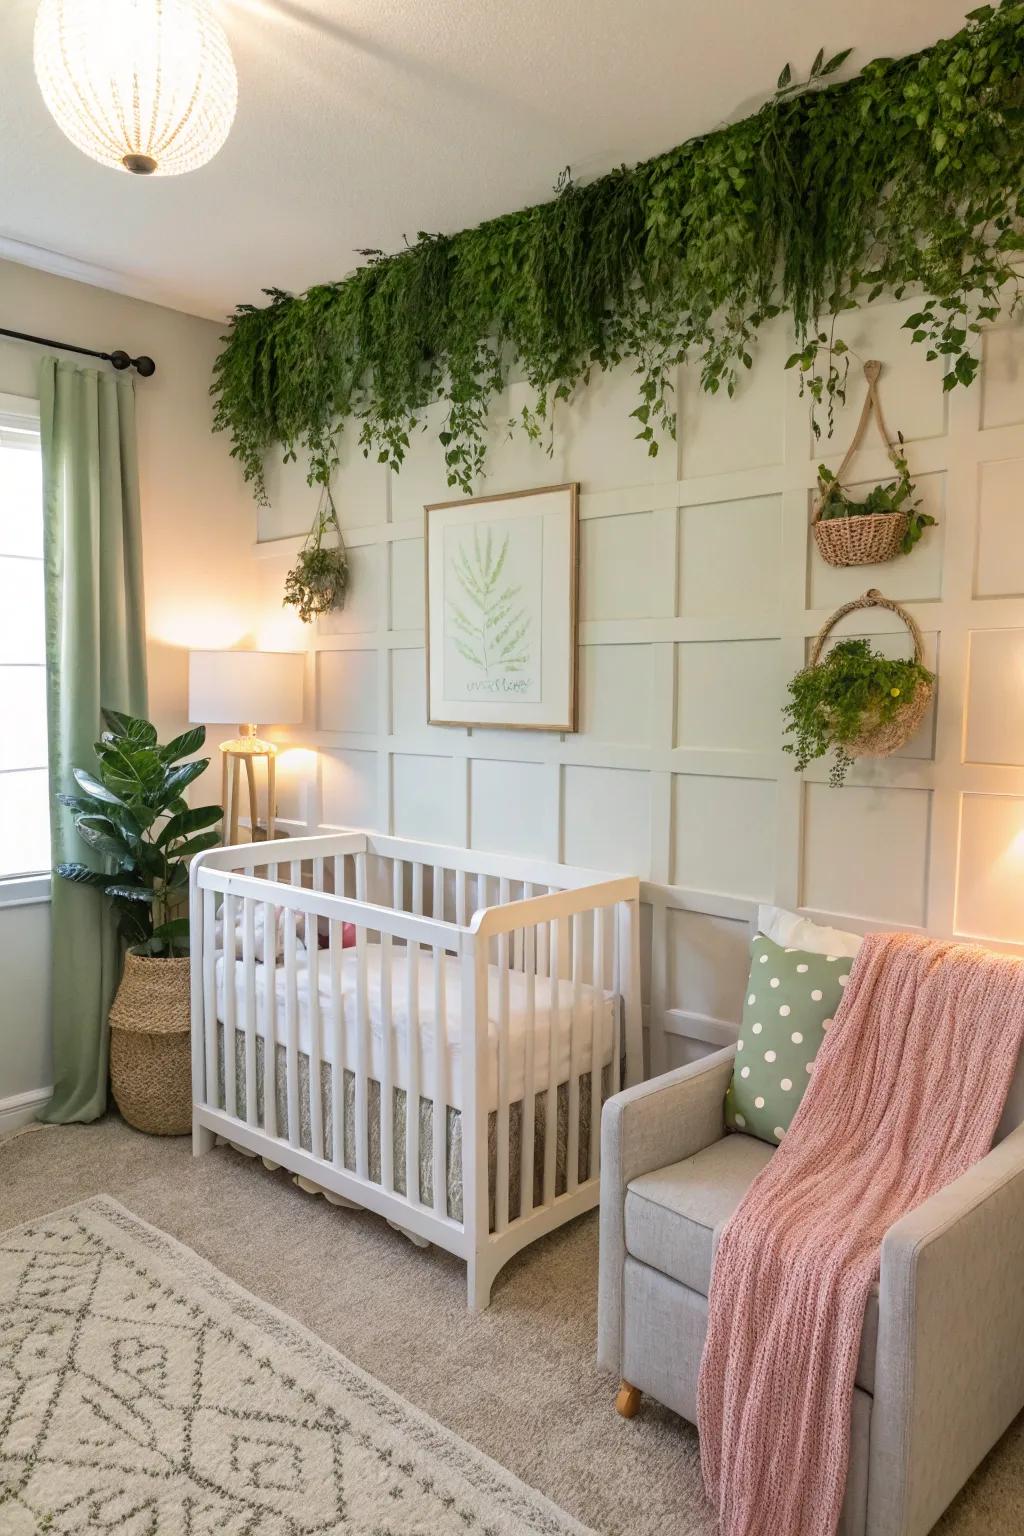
{"points": [[244, 749]]}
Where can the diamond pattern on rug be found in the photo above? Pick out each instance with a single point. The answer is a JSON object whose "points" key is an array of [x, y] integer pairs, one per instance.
{"points": [[143, 1393]]}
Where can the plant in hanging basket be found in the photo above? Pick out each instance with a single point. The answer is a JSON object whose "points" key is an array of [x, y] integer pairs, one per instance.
{"points": [[319, 579], [884, 522], [895, 498], [856, 702]]}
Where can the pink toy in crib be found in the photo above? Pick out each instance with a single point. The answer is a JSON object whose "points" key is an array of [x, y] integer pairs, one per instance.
{"points": [[348, 937]]}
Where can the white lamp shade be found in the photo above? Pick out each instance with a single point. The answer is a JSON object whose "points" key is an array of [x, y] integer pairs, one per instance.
{"points": [[245, 687]]}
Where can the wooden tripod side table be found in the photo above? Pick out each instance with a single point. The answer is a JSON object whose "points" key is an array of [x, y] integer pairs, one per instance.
{"points": [[245, 749]]}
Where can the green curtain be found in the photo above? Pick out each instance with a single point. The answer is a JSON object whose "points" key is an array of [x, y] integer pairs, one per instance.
{"points": [[95, 655]]}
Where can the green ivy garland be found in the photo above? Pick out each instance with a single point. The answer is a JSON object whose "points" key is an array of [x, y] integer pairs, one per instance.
{"points": [[911, 176]]}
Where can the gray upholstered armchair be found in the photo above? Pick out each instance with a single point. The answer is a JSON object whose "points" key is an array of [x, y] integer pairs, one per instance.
{"points": [[941, 1368]]}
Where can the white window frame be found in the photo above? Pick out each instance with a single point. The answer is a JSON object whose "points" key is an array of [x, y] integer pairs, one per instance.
{"points": [[19, 427]]}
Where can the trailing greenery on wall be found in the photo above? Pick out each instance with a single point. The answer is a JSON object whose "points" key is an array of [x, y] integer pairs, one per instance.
{"points": [[908, 178]]}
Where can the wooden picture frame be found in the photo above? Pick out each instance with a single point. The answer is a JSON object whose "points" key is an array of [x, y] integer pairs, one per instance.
{"points": [[502, 610]]}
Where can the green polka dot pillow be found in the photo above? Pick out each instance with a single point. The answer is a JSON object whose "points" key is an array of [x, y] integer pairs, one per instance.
{"points": [[792, 996]]}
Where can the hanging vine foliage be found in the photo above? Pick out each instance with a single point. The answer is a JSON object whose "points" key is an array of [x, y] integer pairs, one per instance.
{"points": [[909, 178]]}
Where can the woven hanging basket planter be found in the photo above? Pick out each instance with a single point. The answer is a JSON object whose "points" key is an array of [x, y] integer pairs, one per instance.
{"points": [[863, 539], [150, 1049], [881, 737]]}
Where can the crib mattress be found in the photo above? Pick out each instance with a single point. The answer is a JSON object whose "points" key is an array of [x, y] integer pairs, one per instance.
{"points": [[573, 1033]]}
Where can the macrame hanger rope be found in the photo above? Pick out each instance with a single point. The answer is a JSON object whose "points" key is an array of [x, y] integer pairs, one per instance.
{"points": [[326, 514], [872, 598], [870, 410]]}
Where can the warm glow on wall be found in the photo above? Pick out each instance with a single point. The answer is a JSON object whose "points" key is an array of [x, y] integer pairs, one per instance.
{"points": [[990, 887], [186, 630]]}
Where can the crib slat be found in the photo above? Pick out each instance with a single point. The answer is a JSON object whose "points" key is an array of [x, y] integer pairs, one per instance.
{"points": [[316, 1112], [543, 941], [291, 1023], [412, 1075], [269, 1018], [529, 1071], [501, 1173], [572, 1172], [210, 997], [398, 885], [554, 1033], [249, 1008], [617, 980], [597, 1013], [318, 874], [228, 913], [387, 1092], [417, 889], [437, 894], [362, 1052], [440, 1114], [334, 952], [504, 897], [461, 897]]}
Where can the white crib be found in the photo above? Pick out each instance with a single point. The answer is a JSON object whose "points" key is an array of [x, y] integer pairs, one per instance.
{"points": [[463, 1045]]}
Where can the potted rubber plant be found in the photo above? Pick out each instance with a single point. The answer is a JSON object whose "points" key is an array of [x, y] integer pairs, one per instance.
{"points": [[133, 815]]}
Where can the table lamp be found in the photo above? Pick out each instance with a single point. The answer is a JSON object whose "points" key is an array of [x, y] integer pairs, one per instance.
{"points": [[226, 687]]}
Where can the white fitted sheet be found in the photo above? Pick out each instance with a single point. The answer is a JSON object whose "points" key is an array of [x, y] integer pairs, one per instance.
{"points": [[572, 1029]]}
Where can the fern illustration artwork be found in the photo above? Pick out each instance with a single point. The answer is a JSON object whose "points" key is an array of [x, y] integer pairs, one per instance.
{"points": [[492, 610]]}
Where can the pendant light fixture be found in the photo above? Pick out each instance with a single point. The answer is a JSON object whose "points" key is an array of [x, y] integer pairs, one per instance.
{"points": [[146, 86]]}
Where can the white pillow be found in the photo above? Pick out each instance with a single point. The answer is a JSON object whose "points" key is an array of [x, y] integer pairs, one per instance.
{"points": [[790, 931]]}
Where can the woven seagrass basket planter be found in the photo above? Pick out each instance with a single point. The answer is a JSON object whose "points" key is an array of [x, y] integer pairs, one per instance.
{"points": [[863, 540], [880, 737], [150, 1052]]}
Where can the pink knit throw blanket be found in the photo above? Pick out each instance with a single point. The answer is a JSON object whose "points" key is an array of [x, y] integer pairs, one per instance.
{"points": [[905, 1095]]}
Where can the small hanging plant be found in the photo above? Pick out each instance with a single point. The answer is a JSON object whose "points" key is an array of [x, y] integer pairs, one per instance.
{"points": [[894, 496], [887, 521], [856, 702], [319, 579]]}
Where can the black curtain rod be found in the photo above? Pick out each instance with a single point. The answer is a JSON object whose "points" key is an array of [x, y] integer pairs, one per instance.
{"points": [[144, 366]]}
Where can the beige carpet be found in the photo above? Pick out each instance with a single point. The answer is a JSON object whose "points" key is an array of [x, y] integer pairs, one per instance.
{"points": [[144, 1392], [518, 1381]]}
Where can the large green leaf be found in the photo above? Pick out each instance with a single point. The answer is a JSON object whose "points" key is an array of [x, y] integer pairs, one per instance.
{"points": [[81, 874], [196, 844], [176, 928], [181, 777], [101, 833], [134, 773], [132, 893], [129, 727], [192, 820], [78, 803], [95, 789], [184, 745]]}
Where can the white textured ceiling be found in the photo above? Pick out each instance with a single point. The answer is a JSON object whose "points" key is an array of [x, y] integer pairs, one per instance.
{"points": [[362, 121]]}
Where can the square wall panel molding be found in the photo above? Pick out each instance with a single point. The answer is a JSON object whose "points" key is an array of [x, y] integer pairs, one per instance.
{"points": [[700, 590]]}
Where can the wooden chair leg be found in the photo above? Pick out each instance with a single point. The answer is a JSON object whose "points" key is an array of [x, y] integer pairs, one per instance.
{"points": [[627, 1401]]}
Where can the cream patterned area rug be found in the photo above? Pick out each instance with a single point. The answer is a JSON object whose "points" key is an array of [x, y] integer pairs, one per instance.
{"points": [[144, 1393]]}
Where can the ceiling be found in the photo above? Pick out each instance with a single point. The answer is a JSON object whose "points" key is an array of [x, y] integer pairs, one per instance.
{"points": [[363, 121]]}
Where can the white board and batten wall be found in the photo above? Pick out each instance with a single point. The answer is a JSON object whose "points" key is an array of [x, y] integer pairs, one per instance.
{"points": [[700, 590]]}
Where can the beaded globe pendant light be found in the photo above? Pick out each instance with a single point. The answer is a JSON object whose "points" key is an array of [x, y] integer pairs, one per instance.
{"points": [[146, 86]]}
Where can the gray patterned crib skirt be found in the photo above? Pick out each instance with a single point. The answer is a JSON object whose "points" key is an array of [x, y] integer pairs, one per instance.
{"points": [[426, 1157]]}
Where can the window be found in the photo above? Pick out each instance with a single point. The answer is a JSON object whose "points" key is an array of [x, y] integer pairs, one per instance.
{"points": [[24, 790]]}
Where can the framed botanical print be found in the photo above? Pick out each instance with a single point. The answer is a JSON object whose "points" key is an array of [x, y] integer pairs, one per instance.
{"points": [[502, 585]]}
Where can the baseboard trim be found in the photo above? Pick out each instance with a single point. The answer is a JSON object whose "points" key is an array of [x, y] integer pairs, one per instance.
{"points": [[21, 1108]]}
